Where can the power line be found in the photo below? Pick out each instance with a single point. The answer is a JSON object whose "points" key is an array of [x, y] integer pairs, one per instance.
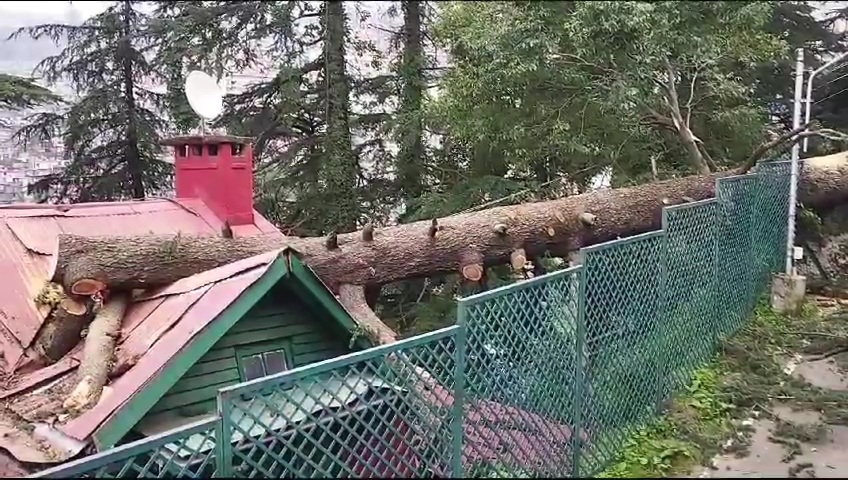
{"points": [[830, 96], [832, 81]]}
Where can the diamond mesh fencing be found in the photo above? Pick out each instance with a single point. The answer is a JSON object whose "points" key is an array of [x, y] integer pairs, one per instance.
{"points": [[185, 452], [519, 378], [385, 412], [598, 349], [595, 349]]}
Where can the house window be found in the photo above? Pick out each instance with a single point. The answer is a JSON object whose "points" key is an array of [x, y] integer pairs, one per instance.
{"points": [[260, 365]]}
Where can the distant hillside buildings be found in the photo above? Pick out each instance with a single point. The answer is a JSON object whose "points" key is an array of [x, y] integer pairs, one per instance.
{"points": [[21, 166]]}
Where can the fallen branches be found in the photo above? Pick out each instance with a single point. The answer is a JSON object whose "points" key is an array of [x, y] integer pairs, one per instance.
{"points": [[66, 317], [62, 330]]}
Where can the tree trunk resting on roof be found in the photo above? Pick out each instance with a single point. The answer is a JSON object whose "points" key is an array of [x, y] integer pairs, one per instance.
{"points": [[61, 330], [98, 354], [461, 243], [349, 263]]}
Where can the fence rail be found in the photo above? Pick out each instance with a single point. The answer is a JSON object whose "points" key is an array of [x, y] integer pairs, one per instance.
{"points": [[544, 378]]}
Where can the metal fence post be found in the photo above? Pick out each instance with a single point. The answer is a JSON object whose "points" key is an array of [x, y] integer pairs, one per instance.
{"points": [[579, 377], [223, 436], [459, 392]]}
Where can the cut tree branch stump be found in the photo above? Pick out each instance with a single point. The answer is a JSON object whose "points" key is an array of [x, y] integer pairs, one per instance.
{"points": [[61, 332], [98, 353]]}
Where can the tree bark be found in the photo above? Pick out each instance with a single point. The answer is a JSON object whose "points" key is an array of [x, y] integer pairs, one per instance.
{"points": [[62, 330], [98, 353], [86, 265]]}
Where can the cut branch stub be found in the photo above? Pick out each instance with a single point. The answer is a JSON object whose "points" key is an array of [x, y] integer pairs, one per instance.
{"points": [[500, 229], [473, 272], [368, 233], [518, 259], [471, 263], [87, 287], [332, 241], [587, 219], [434, 228]]}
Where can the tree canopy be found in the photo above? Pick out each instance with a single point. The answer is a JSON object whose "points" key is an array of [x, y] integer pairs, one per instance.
{"points": [[426, 109]]}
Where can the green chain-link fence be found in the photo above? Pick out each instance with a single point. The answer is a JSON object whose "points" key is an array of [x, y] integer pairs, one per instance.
{"points": [[594, 349], [185, 452], [384, 412]]}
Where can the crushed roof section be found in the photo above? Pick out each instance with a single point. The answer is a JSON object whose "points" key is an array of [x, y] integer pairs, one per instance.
{"points": [[28, 236], [154, 329]]}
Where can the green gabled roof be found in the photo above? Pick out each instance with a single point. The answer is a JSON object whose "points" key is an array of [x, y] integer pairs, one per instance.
{"points": [[285, 267]]}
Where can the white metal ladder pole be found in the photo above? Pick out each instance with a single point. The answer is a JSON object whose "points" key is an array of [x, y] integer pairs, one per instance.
{"points": [[808, 101], [796, 153]]}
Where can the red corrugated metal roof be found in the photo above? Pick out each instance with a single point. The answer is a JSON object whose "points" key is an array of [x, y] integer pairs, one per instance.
{"points": [[149, 352], [156, 326], [28, 236]]}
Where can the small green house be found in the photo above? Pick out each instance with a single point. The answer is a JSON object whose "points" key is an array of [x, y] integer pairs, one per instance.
{"points": [[293, 322], [237, 323]]}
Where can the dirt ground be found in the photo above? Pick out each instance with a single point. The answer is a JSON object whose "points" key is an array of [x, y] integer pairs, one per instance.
{"points": [[786, 439]]}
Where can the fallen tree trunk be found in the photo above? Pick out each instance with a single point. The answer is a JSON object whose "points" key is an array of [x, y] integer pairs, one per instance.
{"points": [[87, 265], [462, 243], [98, 353], [62, 330]]}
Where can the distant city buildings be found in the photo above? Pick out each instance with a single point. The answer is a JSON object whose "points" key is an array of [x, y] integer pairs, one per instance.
{"points": [[21, 166]]}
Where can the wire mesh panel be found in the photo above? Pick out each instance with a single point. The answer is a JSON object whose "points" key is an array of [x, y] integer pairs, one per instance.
{"points": [[519, 378], [185, 452], [624, 342], [689, 299], [736, 276], [770, 218], [384, 412]]}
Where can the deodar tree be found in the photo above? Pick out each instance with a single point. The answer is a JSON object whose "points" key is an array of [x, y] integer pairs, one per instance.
{"points": [[111, 140], [17, 93], [308, 166], [111, 130]]}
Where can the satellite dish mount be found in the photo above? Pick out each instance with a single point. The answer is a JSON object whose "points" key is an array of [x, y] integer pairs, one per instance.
{"points": [[204, 96]]}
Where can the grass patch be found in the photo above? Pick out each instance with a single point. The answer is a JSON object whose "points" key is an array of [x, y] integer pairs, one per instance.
{"points": [[745, 379], [694, 427]]}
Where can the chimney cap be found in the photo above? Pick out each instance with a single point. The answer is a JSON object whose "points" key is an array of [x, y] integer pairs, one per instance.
{"points": [[204, 139]]}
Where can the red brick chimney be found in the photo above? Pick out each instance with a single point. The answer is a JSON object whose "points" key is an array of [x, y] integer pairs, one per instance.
{"points": [[217, 170]]}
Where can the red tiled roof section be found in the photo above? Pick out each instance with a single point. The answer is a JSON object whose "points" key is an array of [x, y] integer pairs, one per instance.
{"points": [[28, 235]]}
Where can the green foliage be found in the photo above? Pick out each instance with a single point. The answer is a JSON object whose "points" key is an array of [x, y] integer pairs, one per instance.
{"points": [[20, 93], [675, 443], [111, 132], [309, 175], [574, 87]]}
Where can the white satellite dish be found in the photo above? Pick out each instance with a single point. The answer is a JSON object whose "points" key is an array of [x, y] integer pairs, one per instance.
{"points": [[204, 96]]}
